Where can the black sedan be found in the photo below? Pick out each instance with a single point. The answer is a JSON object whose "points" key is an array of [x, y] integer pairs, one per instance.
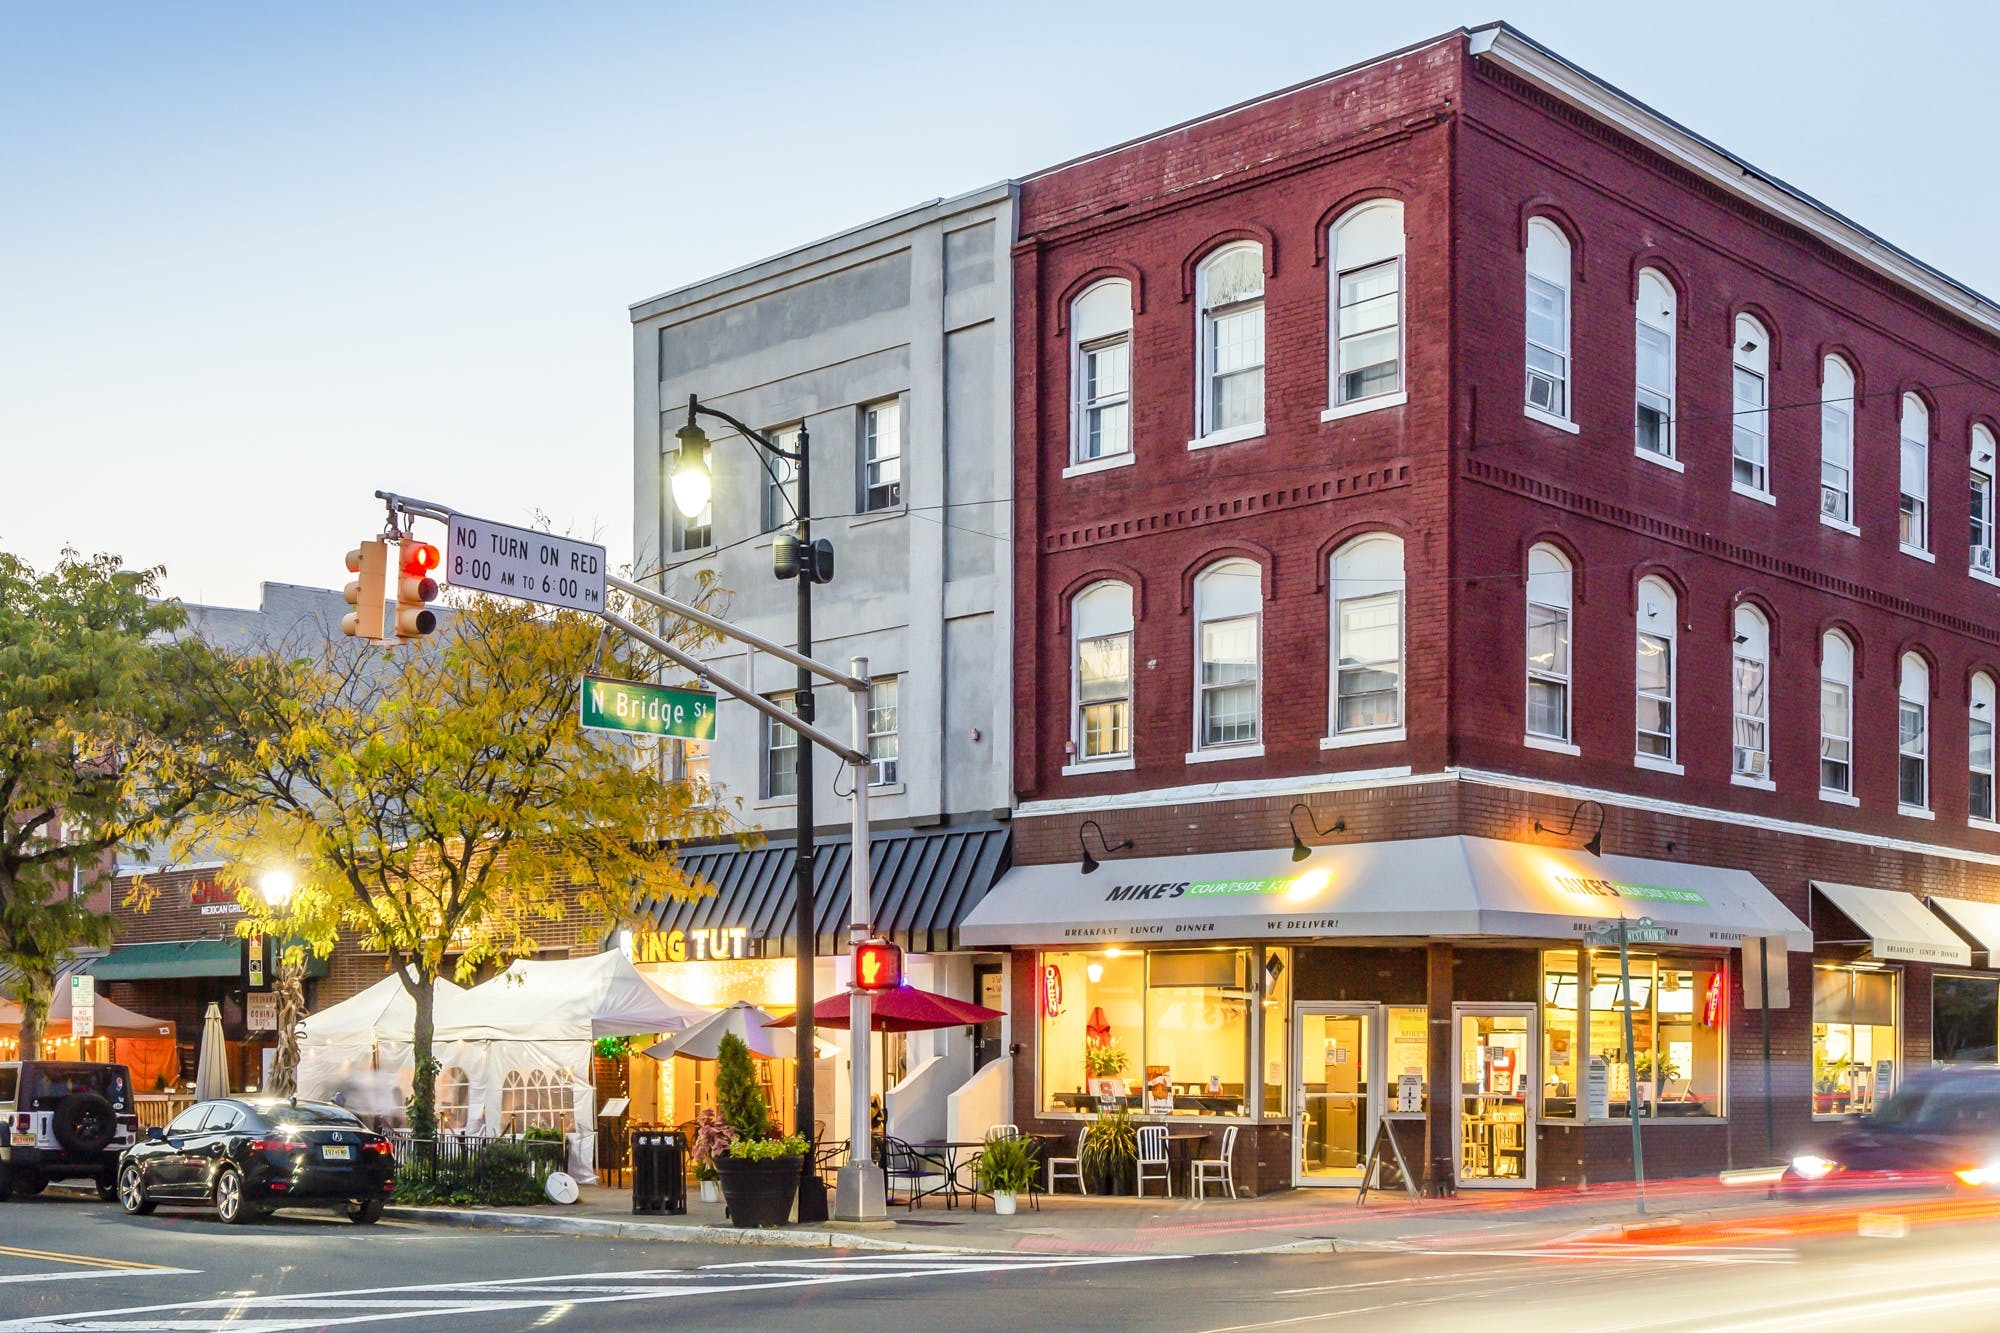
{"points": [[1942, 1127], [247, 1157]]}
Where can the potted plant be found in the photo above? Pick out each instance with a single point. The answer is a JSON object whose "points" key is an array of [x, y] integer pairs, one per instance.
{"points": [[712, 1137], [759, 1171], [1105, 1060], [1003, 1169], [1110, 1152]]}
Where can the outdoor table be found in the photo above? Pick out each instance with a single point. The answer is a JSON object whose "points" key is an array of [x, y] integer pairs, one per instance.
{"points": [[950, 1149], [1180, 1155]]}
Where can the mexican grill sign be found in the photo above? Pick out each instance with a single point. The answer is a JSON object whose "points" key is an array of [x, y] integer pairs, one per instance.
{"points": [[520, 562]]}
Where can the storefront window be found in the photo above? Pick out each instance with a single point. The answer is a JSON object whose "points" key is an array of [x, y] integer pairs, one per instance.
{"points": [[1857, 1049], [1161, 1032], [1679, 1036], [1965, 1020], [1277, 1027]]}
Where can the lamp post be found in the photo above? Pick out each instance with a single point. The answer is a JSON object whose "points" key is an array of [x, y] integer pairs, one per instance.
{"points": [[277, 888], [794, 556]]}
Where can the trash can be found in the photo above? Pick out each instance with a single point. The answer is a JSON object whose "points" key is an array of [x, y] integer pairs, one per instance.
{"points": [[659, 1171]]}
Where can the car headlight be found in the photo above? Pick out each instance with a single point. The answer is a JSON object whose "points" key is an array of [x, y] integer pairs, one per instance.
{"points": [[1814, 1168], [1981, 1175]]}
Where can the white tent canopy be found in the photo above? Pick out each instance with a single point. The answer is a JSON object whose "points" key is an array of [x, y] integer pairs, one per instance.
{"points": [[569, 999], [383, 1012], [359, 1049]]}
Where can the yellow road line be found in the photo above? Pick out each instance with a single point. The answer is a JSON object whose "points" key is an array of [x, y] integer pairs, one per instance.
{"points": [[92, 1261]]}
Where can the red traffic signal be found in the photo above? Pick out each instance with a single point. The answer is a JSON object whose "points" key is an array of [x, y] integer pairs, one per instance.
{"points": [[414, 588], [419, 558], [878, 966]]}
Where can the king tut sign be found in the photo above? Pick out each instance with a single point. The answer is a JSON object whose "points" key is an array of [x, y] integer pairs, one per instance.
{"points": [[692, 946]]}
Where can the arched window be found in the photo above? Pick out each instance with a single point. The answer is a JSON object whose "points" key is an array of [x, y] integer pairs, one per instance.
{"points": [[1100, 322], [1913, 735], [1548, 319], [454, 1098], [1750, 755], [1654, 676], [1836, 441], [1101, 672], [1368, 637], [1979, 731], [1913, 528], [1367, 249], [1229, 618], [1549, 596], [1980, 557], [1230, 289], [1750, 445], [1654, 336], [1836, 715]]}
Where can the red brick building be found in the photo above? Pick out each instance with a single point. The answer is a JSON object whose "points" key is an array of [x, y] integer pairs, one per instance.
{"points": [[1461, 449]]}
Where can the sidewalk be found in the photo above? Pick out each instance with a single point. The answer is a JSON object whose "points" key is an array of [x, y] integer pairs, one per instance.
{"points": [[1304, 1220]]}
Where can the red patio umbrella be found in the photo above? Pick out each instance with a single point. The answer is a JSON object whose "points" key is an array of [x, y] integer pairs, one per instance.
{"points": [[904, 1009]]}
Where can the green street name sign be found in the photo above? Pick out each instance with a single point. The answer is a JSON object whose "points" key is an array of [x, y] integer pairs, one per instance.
{"points": [[649, 710]]}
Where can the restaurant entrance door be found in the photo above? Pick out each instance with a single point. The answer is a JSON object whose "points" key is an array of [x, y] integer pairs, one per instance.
{"points": [[1338, 1084], [1493, 1054]]}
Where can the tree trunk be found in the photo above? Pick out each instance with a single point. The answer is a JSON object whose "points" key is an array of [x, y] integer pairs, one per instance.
{"points": [[38, 989], [423, 1087]]}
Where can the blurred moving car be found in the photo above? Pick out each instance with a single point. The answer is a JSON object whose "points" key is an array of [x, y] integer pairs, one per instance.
{"points": [[248, 1157], [1941, 1127], [63, 1120]]}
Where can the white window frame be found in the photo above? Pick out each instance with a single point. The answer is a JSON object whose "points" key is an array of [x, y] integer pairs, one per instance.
{"points": [[1551, 587], [1368, 569], [1100, 613], [1659, 620], [1750, 698], [1206, 317], [1207, 591], [1913, 429], [1980, 552], [1549, 273], [1360, 254], [776, 739], [1836, 679], [881, 454], [1655, 314], [1913, 681], [884, 742], [1980, 719], [1100, 319], [777, 498], [1836, 444], [1750, 422]]}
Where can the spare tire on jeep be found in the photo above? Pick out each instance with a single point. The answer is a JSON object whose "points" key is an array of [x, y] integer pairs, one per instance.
{"points": [[85, 1123]]}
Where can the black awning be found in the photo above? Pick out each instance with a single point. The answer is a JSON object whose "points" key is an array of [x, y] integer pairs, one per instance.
{"points": [[922, 881]]}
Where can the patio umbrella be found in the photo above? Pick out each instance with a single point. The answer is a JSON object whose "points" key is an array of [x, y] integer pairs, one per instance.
{"points": [[211, 1068], [904, 1009], [742, 1019]]}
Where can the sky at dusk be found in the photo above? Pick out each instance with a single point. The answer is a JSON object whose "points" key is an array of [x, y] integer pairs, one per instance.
{"points": [[258, 260]]}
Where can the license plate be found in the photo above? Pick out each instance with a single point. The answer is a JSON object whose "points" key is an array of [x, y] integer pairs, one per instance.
{"points": [[24, 1140], [340, 1153]]}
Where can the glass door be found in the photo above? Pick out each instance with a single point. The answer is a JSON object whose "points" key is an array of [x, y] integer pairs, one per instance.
{"points": [[1494, 1051], [1333, 1119]]}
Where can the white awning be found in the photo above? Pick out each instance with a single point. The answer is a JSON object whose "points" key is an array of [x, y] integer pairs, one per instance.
{"points": [[1979, 920], [1897, 924], [1424, 888]]}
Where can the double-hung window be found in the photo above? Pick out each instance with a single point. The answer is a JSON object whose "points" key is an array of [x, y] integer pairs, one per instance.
{"points": [[1101, 367], [1654, 392], [1980, 556], [1750, 754], [1750, 445], [780, 490], [1913, 736], [1548, 320], [1368, 638], [1367, 250], [1836, 441], [884, 747], [1101, 672], [1229, 618], [1549, 593], [1230, 288], [1836, 715], [1913, 522], [781, 752], [1979, 730], [882, 455], [1654, 673]]}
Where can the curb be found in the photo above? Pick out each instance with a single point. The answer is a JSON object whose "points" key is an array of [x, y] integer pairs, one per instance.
{"points": [[692, 1234]]}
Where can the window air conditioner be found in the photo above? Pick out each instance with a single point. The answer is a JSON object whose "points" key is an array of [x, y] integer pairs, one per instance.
{"points": [[1751, 763], [1541, 392], [1829, 501], [1982, 559]]}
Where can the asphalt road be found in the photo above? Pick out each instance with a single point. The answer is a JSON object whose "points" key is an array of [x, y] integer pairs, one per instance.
{"points": [[70, 1264]]}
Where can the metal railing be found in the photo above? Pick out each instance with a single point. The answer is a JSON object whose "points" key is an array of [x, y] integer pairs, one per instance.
{"points": [[471, 1168]]}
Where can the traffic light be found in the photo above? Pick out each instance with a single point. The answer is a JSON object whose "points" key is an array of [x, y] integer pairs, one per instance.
{"points": [[813, 562], [370, 562], [878, 966], [415, 588]]}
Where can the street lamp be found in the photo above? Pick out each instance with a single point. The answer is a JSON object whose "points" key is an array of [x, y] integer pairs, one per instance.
{"points": [[809, 563], [277, 887]]}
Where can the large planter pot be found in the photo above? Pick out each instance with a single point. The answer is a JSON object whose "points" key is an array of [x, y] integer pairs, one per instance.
{"points": [[1113, 1178], [759, 1194]]}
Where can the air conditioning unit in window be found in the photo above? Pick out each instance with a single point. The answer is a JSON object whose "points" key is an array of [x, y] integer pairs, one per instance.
{"points": [[1829, 502], [1982, 559], [1751, 763], [882, 773], [1542, 392]]}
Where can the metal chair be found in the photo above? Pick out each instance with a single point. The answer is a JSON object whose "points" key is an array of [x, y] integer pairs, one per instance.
{"points": [[920, 1173], [1068, 1168], [1221, 1170], [1004, 1132], [1152, 1164]]}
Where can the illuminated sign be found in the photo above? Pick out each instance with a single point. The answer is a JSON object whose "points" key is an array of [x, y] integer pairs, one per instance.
{"points": [[1206, 888], [213, 899], [1589, 887], [698, 946], [1711, 1006], [1052, 996], [878, 966]]}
